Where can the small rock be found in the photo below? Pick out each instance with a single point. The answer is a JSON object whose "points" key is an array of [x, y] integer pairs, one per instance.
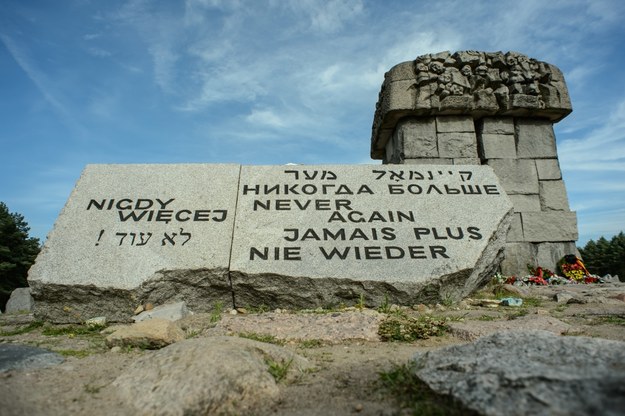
{"points": [[620, 296], [20, 301], [150, 334], [562, 297], [242, 311], [139, 310], [116, 349], [512, 290], [149, 306], [358, 408], [97, 321], [170, 311], [233, 312], [511, 301]]}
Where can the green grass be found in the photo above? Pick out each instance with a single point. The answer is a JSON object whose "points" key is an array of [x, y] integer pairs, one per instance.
{"points": [[613, 320], [310, 343], [278, 370], [385, 307], [488, 318], [270, 339], [71, 330], [411, 393], [74, 353], [22, 330]]}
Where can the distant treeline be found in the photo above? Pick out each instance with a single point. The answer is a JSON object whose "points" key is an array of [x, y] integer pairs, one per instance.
{"points": [[603, 257]]}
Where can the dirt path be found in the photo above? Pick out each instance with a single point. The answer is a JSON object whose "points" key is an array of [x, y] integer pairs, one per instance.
{"points": [[347, 375]]}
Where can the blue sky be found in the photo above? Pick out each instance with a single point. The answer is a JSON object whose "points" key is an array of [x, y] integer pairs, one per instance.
{"points": [[278, 81]]}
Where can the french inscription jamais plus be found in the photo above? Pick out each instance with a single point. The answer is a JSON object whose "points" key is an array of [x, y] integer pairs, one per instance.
{"points": [[363, 222]]}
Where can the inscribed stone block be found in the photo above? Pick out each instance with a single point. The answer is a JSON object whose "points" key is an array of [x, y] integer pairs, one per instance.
{"points": [[535, 139], [525, 203], [497, 146], [548, 169], [553, 196], [549, 226], [135, 233], [455, 145], [455, 124], [516, 176], [307, 236], [497, 125]]}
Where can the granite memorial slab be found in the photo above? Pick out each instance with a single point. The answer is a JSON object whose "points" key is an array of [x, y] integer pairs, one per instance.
{"points": [[131, 234], [308, 236]]}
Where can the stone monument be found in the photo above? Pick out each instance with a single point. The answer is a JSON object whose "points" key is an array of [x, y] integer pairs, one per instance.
{"points": [[275, 236], [495, 109]]}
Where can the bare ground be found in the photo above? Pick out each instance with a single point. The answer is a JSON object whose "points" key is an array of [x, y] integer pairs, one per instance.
{"points": [[348, 361]]}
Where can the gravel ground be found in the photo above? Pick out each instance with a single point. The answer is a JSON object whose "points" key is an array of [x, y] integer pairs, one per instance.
{"points": [[343, 345]]}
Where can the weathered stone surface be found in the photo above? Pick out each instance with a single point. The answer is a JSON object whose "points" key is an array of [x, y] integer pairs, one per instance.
{"points": [[472, 330], [429, 161], [375, 230], [516, 176], [549, 226], [516, 257], [416, 138], [151, 333], [549, 254], [535, 139], [533, 372], [24, 357], [136, 233], [515, 233], [454, 145], [548, 169], [216, 375], [525, 203], [496, 85], [497, 125], [497, 146], [20, 301], [455, 124], [170, 312], [553, 196], [467, 161]]}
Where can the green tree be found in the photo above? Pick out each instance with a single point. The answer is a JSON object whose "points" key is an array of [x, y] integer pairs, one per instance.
{"points": [[17, 252], [605, 257]]}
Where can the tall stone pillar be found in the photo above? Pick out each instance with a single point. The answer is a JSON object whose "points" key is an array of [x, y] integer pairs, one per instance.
{"points": [[495, 109]]}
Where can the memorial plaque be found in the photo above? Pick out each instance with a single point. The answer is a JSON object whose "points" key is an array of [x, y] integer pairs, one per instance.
{"points": [[131, 234], [309, 236]]}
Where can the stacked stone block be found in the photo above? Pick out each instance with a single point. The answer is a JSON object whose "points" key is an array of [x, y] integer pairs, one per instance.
{"points": [[522, 152], [494, 109]]}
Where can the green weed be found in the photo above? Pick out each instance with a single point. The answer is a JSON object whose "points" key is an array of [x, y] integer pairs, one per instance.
{"points": [[216, 312], [385, 307], [311, 343], [278, 370], [23, 330], [71, 330], [74, 353], [408, 329]]}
